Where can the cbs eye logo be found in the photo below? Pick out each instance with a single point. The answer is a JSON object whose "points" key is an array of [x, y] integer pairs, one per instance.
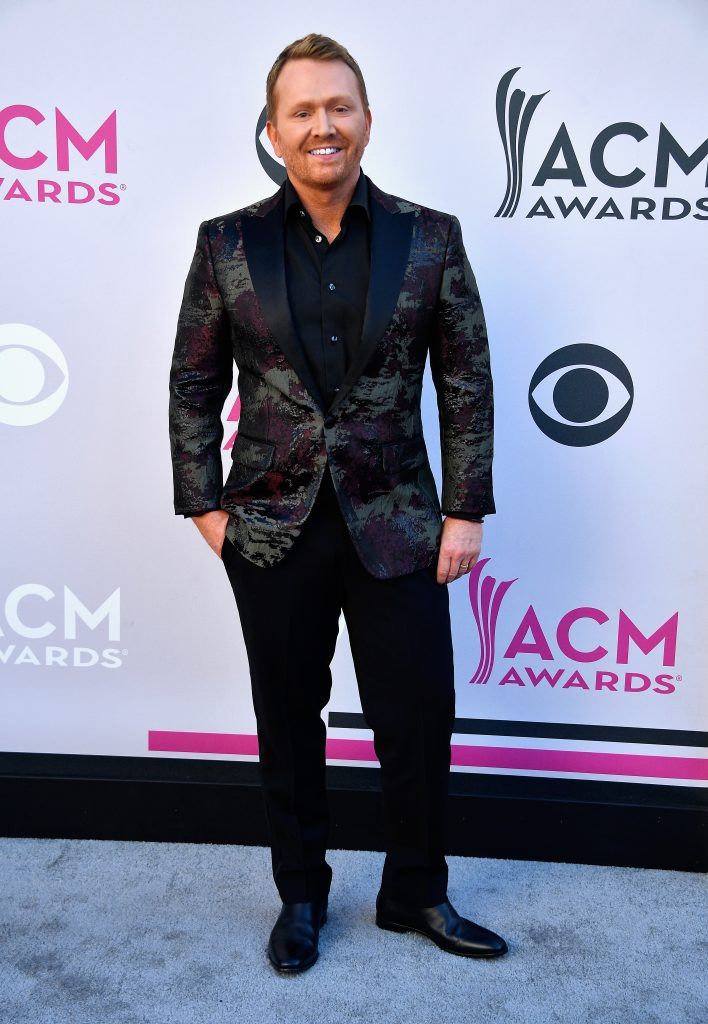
{"points": [[34, 375], [581, 395], [273, 168]]}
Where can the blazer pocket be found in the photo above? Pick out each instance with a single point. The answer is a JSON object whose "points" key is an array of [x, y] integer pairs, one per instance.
{"points": [[400, 456], [251, 456]]}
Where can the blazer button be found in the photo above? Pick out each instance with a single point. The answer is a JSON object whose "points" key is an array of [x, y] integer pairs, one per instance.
{"points": [[329, 421]]}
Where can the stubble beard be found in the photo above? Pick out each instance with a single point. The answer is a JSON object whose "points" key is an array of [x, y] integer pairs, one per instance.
{"points": [[300, 168]]}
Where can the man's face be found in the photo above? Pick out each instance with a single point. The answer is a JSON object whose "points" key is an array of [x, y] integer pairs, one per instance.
{"points": [[318, 105]]}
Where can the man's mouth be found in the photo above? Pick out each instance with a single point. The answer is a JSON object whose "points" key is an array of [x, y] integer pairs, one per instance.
{"points": [[325, 151]]}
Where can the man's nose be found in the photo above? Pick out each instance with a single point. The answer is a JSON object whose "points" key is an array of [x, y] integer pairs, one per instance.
{"points": [[322, 125]]}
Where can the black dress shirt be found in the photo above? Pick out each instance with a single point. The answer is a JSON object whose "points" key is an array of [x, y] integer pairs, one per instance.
{"points": [[327, 284]]}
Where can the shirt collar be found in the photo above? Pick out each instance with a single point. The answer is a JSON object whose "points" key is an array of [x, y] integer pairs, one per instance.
{"points": [[360, 196]]}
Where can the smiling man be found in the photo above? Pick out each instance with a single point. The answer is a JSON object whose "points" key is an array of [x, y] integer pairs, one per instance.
{"points": [[329, 296]]}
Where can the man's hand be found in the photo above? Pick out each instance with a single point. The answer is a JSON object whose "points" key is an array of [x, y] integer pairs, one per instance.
{"points": [[212, 526], [460, 546]]}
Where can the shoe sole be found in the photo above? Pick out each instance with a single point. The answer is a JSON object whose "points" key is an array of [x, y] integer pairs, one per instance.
{"points": [[391, 926], [301, 967]]}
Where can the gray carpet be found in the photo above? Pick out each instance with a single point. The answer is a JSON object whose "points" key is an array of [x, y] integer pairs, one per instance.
{"points": [[97, 932]]}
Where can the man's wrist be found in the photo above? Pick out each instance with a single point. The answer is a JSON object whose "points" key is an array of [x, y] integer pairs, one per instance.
{"points": [[464, 515]]}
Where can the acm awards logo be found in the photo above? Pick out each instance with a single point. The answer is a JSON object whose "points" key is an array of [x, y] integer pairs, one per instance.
{"points": [[27, 640], [533, 653], [25, 134], [563, 163]]}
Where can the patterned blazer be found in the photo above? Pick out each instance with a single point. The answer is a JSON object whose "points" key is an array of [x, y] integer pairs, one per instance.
{"points": [[422, 299]]}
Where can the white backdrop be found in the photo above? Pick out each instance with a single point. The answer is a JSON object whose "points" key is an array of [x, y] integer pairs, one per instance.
{"points": [[118, 628]]}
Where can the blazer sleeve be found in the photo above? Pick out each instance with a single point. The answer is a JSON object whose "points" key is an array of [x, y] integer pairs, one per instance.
{"points": [[461, 372], [201, 375]]}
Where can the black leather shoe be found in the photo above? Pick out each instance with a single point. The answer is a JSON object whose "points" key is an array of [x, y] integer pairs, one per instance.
{"points": [[293, 941], [442, 924]]}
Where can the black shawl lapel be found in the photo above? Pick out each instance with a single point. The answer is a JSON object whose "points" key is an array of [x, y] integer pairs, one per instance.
{"points": [[264, 245], [391, 233]]}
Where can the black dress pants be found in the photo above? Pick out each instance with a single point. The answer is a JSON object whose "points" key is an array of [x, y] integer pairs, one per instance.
{"points": [[401, 644]]}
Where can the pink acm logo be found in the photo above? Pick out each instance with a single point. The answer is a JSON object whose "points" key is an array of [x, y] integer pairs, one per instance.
{"points": [[541, 654], [30, 143]]}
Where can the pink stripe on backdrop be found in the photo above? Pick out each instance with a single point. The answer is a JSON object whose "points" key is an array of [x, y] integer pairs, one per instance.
{"points": [[520, 758], [203, 742]]}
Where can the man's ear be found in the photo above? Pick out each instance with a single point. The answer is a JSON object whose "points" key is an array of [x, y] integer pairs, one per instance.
{"points": [[273, 136]]}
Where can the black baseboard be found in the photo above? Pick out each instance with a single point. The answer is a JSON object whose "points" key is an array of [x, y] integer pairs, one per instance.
{"points": [[207, 801]]}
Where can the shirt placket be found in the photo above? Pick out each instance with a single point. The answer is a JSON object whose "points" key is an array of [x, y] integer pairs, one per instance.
{"points": [[332, 342]]}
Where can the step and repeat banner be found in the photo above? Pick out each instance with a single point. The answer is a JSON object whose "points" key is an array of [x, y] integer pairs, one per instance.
{"points": [[573, 147]]}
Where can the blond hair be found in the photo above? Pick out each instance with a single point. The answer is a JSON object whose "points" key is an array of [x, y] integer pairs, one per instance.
{"points": [[315, 47]]}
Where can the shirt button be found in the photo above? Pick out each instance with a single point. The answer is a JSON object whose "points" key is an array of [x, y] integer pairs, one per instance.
{"points": [[329, 421], [335, 337], [331, 286], [318, 238], [302, 213]]}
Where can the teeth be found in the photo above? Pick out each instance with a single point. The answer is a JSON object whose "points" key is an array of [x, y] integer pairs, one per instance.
{"points": [[327, 149]]}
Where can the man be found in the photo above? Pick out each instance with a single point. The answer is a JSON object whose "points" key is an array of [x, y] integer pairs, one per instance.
{"points": [[328, 296]]}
